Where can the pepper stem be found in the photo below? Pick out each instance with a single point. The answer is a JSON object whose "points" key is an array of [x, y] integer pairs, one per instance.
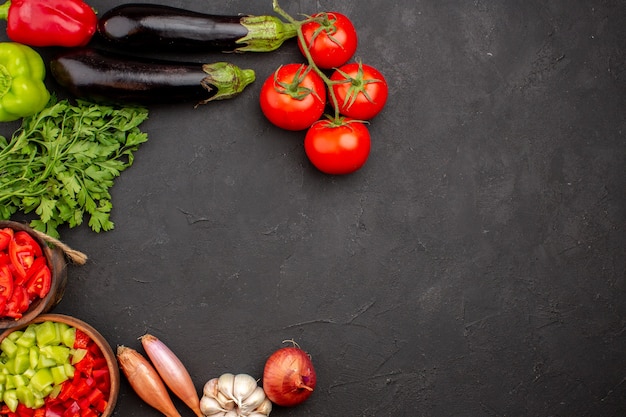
{"points": [[4, 10]]}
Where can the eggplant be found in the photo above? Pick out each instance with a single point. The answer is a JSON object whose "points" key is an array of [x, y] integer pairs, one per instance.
{"points": [[154, 27], [95, 74]]}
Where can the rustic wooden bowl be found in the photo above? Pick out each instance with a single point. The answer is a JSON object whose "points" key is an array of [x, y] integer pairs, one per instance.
{"points": [[97, 338], [58, 268]]}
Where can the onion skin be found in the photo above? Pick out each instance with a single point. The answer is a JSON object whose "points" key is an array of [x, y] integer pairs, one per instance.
{"points": [[289, 377], [145, 380], [172, 371]]}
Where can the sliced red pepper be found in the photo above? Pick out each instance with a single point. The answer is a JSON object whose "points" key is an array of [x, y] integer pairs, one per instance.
{"points": [[88, 412], [6, 282], [40, 412], [34, 268], [39, 281], [23, 411], [72, 410], [82, 340]]}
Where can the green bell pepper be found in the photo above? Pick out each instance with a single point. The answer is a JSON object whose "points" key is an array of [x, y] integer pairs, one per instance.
{"points": [[22, 89]]}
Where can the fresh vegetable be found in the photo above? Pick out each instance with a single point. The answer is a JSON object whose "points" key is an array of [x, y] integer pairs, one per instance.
{"points": [[145, 380], [289, 377], [330, 38], [87, 392], [234, 396], [24, 273], [293, 97], [66, 23], [63, 160], [337, 147], [22, 88], [158, 27], [98, 75], [361, 90], [172, 371], [52, 367]]}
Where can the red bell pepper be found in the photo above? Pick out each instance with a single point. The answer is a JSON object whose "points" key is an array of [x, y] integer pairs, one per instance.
{"points": [[66, 23]]}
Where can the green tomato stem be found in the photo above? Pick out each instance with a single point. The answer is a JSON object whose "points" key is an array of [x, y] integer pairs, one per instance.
{"points": [[307, 54]]}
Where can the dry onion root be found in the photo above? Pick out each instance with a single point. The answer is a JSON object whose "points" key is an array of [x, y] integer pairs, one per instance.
{"points": [[234, 396], [145, 380]]}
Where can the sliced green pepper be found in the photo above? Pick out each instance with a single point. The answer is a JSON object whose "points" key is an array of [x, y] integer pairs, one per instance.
{"points": [[22, 88]]}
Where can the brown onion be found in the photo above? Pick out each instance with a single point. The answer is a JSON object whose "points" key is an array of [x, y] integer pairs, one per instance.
{"points": [[289, 377], [145, 380], [172, 371]]}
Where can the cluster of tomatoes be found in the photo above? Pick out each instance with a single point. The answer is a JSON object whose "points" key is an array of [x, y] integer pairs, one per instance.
{"points": [[296, 95]]}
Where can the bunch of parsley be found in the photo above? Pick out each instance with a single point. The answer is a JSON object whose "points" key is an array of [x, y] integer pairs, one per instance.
{"points": [[62, 161]]}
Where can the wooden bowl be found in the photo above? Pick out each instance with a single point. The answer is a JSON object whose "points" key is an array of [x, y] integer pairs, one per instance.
{"points": [[58, 269], [100, 341]]}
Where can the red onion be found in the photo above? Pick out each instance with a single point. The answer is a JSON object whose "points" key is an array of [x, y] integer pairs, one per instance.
{"points": [[289, 377]]}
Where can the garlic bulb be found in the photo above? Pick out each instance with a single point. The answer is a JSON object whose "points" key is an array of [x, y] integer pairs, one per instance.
{"points": [[234, 396]]}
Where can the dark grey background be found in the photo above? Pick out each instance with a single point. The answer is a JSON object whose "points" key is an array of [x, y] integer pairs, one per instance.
{"points": [[474, 267]]}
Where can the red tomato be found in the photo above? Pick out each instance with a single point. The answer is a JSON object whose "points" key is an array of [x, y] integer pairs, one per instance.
{"points": [[293, 97], [337, 148], [330, 38], [6, 235], [18, 303], [23, 250], [39, 281], [361, 90], [6, 282]]}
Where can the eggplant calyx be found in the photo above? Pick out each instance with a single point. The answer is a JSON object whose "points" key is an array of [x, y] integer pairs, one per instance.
{"points": [[265, 33], [225, 80]]}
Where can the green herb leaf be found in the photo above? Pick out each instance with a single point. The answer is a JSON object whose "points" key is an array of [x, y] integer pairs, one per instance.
{"points": [[62, 161]]}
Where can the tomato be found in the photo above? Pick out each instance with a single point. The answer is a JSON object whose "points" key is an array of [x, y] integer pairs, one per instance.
{"points": [[39, 280], [18, 303], [6, 235], [361, 90], [330, 38], [23, 250], [293, 97], [6, 282], [337, 147]]}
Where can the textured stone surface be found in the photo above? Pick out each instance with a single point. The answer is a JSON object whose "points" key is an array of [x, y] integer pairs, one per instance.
{"points": [[474, 267]]}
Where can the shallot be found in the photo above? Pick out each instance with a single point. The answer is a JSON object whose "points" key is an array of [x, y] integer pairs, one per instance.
{"points": [[172, 371], [145, 380], [289, 377]]}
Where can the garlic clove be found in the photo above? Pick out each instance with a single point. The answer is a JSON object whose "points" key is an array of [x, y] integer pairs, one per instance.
{"points": [[256, 414], [265, 408], [227, 403], [226, 384], [210, 406], [243, 386], [231, 413], [253, 400], [210, 388]]}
